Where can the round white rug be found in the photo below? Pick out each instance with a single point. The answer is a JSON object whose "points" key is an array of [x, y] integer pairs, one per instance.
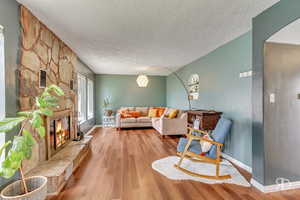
{"points": [[166, 167]]}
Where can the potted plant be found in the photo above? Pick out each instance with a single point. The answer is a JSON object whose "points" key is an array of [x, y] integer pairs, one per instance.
{"points": [[106, 103], [34, 188]]}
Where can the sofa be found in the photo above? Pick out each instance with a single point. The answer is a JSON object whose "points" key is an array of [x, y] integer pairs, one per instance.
{"points": [[165, 126]]}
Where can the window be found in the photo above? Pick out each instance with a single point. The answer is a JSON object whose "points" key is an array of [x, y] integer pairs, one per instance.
{"points": [[82, 102], [90, 100], [2, 87]]}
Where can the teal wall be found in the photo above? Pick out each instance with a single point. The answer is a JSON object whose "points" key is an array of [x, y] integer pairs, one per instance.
{"points": [[264, 171], [9, 19], [221, 89], [124, 91]]}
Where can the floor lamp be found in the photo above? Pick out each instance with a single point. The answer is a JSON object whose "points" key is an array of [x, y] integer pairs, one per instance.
{"points": [[184, 86]]}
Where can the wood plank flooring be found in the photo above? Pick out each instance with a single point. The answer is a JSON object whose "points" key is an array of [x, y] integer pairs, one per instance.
{"points": [[119, 168]]}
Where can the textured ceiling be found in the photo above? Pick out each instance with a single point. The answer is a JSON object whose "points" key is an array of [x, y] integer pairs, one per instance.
{"points": [[145, 36], [288, 35]]}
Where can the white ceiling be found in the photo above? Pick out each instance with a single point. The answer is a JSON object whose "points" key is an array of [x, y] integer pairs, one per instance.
{"points": [[145, 36], [288, 35]]}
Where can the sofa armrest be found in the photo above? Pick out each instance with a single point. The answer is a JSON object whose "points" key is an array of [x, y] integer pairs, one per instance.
{"points": [[176, 124], [184, 116], [118, 120]]}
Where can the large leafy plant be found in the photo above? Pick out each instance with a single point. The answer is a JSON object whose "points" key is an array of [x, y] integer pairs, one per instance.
{"points": [[21, 146]]}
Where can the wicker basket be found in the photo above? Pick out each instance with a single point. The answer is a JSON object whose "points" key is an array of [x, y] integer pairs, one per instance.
{"points": [[37, 187]]}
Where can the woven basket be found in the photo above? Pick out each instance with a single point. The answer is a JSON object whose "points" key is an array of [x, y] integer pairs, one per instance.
{"points": [[37, 189]]}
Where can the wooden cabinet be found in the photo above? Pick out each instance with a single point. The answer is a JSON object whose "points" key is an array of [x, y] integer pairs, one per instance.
{"points": [[208, 119]]}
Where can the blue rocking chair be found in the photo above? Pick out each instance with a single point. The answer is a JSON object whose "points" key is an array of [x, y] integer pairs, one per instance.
{"points": [[190, 148]]}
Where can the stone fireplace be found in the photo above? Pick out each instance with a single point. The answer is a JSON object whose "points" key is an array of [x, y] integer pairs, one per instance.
{"points": [[42, 50], [42, 53]]}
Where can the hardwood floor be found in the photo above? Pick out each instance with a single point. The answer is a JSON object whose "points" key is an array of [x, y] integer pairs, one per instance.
{"points": [[119, 167]]}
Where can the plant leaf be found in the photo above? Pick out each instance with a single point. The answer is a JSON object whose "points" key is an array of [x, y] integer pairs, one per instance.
{"points": [[25, 114], [7, 172], [9, 124], [41, 130], [50, 99], [3, 147], [58, 91], [36, 121], [40, 102], [46, 111], [28, 143]]}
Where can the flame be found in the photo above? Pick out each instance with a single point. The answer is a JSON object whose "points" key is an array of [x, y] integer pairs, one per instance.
{"points": [[59, 126]]}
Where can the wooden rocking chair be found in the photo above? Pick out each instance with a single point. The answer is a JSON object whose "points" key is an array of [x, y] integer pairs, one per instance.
{"points": [[190, 148]]}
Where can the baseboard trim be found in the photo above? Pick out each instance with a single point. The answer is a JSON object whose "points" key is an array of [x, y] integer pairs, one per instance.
{"points": [[238, 163], [92, 129], [276, 187]]}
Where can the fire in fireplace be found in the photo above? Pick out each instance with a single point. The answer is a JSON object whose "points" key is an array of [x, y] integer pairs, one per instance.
{"points": [[60, 133]]}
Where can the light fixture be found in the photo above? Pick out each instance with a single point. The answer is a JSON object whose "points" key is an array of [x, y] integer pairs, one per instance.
{"points": [[142, 81]]}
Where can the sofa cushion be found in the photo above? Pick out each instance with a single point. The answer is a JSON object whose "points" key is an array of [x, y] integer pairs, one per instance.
{"points": [[144, 119], [160, 111], [142, 110], [195, 146], [126, 115], [128, 108], [123, 110], [171, 113], [152, 112], [128, 120]]}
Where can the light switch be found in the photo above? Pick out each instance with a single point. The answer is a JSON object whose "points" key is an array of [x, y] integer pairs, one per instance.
{"points": [[272, 98], [249, 73], [246, 74]]}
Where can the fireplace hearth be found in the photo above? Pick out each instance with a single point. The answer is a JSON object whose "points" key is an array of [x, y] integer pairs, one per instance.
{"points": [[63, 155]]}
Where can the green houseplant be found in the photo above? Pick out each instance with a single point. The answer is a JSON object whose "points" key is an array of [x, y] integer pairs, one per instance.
{"points": [[21, 146], [106, 103]]}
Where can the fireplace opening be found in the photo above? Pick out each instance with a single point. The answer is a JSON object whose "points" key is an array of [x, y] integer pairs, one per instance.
{"points": [[60, 133]]}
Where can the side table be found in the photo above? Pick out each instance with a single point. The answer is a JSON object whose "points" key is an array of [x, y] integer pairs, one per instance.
{"points": [[109, 121]]}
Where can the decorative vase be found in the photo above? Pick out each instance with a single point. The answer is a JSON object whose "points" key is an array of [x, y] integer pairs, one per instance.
{"points": [[37, 189], [108, 112]]}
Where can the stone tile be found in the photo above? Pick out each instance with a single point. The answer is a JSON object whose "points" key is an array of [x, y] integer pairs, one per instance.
{"points": [[42, 51], [31, 28], [30, 60], [65, 71], [25, 103], [46, 36], [55, 51], [54, 67]]}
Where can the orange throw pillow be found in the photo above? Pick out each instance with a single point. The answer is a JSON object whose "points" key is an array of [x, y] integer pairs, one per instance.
{"points": [[160, 112], [135, 114], [152, 112], [130, 114], [125, 115], [123, 110]]}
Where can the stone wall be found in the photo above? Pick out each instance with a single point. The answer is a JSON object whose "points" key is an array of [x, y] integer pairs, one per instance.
{"points": [[42, 49]]}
